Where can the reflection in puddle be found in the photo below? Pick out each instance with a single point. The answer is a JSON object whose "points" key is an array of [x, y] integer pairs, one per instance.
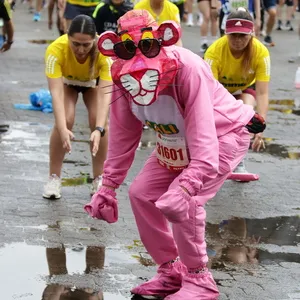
{"points": [[60, 292], [27, 265], [286, 106], [244, 241]]}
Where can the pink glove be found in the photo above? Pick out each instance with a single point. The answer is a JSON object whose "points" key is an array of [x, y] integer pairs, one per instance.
{"points": [[103, 206], [174, 204]]}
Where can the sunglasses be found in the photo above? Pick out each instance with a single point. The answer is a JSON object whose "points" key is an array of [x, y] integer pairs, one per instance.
{"points": [[127, 49]]}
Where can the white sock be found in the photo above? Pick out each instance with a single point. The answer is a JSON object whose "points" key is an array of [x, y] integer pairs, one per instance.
{"points": [[190, 18], [204, 40]]}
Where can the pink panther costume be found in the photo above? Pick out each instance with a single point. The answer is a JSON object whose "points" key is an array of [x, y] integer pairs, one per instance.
{"points": [[201, 137]]}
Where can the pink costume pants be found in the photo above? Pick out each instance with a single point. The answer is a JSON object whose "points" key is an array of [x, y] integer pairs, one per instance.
{"points": [[187, 239]]}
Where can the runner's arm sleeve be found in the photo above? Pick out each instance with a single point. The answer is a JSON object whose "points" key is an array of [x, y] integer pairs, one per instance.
{"points": [[213, 63], [53, 63], [176, 15], [105, 66], [263, 70], [200, 128], [125, 132]]}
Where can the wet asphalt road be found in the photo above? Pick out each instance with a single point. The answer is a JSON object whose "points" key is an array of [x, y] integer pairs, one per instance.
{"points": [[52, 248]]}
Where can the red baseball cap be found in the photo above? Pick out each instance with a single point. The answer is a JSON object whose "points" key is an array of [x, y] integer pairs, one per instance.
{"points": [[239, 26]]}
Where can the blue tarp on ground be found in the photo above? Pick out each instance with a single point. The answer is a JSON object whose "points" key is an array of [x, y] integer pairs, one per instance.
{"points": [[40, 101]]}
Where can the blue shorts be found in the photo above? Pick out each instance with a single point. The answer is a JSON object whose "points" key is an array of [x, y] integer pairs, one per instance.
{"points": [[73, 11], [267, 4]]}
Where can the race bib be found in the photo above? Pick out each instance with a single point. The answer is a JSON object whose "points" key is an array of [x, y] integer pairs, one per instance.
{"points": [[171, 152]]}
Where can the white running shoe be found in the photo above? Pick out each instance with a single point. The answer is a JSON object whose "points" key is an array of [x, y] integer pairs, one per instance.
{"points": [[52, 188], [96, 184], [190, 23], [240, 169]]}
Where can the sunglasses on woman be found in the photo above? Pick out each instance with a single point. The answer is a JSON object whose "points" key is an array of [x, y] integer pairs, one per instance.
{"points": [[127, 49]]}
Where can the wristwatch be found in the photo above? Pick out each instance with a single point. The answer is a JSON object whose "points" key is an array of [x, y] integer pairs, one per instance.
{"points": [[102, 130]]}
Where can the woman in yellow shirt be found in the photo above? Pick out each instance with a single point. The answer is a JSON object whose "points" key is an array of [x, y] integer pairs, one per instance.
{"points": [[161, 10], [73, 66], [239, 60]]}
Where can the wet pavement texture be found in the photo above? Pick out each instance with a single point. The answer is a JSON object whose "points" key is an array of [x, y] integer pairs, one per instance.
{"points": [[53, 250]]}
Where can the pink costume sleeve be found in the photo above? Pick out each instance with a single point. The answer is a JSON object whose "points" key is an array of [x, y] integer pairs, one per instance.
{"points": [[125, 132], [201, 135]]}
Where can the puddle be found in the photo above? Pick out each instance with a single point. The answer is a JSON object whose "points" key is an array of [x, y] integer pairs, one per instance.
{"points": [[29, 266], [284, 151], [24, 141], [286, 106], [41, 42], [291, 152], [254, 241]]}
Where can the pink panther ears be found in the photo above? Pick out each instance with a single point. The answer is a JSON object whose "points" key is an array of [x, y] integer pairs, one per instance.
{"points": [[168, 33]]}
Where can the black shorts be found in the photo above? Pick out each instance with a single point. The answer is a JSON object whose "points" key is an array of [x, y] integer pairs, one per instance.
{"points": [[78, 88], [82, 89], [268, 4], [73, 11]]}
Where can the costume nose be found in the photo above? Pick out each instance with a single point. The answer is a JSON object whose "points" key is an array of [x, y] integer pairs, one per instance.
{"points": [[139, 66], [138, 75]]}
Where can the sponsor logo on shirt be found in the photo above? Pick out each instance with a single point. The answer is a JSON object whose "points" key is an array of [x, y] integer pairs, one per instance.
{"points": [[163, 128], [110, 26]]}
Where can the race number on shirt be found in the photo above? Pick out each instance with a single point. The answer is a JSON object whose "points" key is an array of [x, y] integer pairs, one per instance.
{"points": [[171, 152]]}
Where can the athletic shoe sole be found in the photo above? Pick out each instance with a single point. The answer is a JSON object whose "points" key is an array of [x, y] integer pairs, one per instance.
{"points": [[52, 197]]}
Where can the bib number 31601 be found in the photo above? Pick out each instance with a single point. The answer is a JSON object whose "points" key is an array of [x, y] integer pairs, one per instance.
{"points": [[171, 152]]}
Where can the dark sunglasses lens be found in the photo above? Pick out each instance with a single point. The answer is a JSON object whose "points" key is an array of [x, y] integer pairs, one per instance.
{"points": [[149, 47], [125, 50]]}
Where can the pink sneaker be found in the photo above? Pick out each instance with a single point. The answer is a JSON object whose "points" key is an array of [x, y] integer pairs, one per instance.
{"points": [[167, 281], [197, 286]]}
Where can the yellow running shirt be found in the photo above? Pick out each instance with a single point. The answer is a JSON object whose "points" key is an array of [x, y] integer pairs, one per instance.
{"points": [[170, 11], [61, 62], [227, 69]]}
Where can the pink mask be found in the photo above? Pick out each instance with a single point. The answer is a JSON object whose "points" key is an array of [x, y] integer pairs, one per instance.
{"points": [[142, 67]]}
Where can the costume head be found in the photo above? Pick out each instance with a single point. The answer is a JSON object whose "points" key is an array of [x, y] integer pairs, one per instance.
{"points": [[239, 21], [142, 65]]}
